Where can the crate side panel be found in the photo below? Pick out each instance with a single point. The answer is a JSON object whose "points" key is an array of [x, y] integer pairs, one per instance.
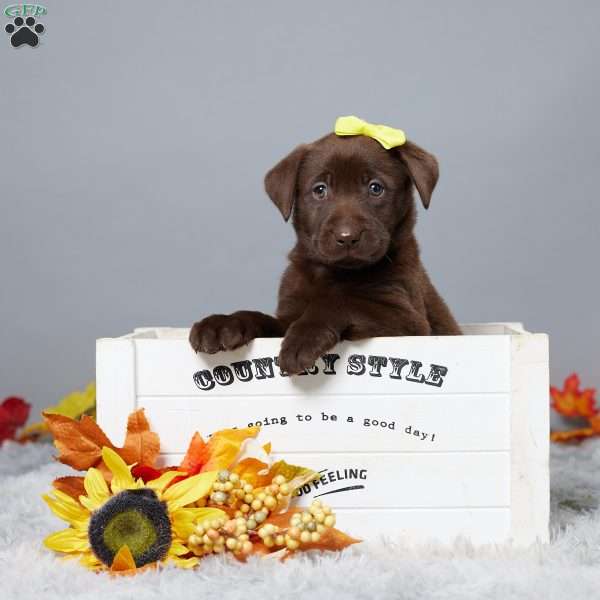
{"points": [[115, 386], [530, 426]]}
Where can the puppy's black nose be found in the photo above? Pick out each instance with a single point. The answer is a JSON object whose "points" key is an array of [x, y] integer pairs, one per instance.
{"points": [[347, 237]]}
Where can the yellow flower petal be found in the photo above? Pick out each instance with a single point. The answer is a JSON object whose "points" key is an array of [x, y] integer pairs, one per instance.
{"points": [[68, 540], [96, 489], [224, 446], [122, 478], [184, 520], [185, 563], [90, 561], [67, 509], [89, 504], [76, 403], [160, 483], [73, 405], [189, 490], [33, 431], [178, 548]]}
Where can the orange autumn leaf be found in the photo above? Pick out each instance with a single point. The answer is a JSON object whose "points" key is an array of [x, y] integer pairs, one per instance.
{"points": [[258, 549], [80, 443], [123, 560], [572, 435], [73, 486], [124, 564], [141, 445], [259, 474], [595, 423], [218, 453], [282, 519], [196, 455], [573, 402], [253, 471], [331, 539]]}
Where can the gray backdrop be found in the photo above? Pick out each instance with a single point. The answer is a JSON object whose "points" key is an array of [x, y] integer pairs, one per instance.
{"points": [[134, 140]]}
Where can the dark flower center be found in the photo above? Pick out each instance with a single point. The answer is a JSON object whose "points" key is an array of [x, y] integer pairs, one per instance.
{"points": [[136, 518]]}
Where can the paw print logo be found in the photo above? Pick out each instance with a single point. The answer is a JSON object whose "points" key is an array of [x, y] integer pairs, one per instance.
{"points": [[24, 32]]}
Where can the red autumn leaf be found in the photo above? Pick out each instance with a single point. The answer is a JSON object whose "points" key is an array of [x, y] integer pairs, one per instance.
{"points": [[146, 473], [573, 402], [14, 413]]}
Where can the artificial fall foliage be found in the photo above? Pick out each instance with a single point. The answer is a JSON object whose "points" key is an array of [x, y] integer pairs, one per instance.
{"points": [[80, 442], [14, 413], [574, 402], [128, 514], [74, 405]]}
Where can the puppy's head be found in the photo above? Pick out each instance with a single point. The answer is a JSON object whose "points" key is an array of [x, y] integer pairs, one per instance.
{"points": [[348, 195]]}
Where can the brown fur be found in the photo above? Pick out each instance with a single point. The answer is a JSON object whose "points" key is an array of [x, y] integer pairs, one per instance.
{"points": [[355, 270]]}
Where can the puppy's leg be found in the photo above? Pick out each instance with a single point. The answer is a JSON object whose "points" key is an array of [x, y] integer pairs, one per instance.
{"points": [[438, 314], [305, 341], [228, 332], [324, 324]]}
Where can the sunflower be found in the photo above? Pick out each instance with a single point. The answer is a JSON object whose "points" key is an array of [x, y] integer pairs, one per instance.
{"points": [[131, 523]]}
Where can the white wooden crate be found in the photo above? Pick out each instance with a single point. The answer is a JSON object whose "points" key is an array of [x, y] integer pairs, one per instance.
{"points": [[433, 437]]}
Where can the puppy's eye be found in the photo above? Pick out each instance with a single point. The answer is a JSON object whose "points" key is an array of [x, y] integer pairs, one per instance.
{"points": [[375, 188], [320, 191]]}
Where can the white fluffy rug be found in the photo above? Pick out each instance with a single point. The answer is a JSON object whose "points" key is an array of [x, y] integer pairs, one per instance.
{"points": [[567, 568]]}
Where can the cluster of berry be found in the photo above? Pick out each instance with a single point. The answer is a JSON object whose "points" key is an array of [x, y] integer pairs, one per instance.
{"points": [[231, 491], [304, 528], [250, 509], [209, 537]]}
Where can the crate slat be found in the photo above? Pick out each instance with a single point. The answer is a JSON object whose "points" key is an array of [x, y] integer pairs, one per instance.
{"points": [[420, 423], [380, 480]]}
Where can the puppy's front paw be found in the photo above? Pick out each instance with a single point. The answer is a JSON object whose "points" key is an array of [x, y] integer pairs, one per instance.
{"points": [[303, 344], [220, 332]]}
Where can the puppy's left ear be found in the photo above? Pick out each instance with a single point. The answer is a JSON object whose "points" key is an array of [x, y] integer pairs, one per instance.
{"points": [[422, 167], [281, 180]]}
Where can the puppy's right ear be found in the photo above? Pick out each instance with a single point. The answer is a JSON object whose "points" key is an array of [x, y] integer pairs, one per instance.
{"points": [[281, 180]]}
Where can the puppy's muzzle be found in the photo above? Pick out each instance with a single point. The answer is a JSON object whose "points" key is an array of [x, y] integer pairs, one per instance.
{"points": [[347, 237]]}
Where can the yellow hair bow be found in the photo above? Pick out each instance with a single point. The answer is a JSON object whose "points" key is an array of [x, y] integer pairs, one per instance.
{"points": [[388, 137]]}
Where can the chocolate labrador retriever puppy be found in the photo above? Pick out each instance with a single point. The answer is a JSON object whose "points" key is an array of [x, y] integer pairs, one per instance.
{"points": [[355, 270]]}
